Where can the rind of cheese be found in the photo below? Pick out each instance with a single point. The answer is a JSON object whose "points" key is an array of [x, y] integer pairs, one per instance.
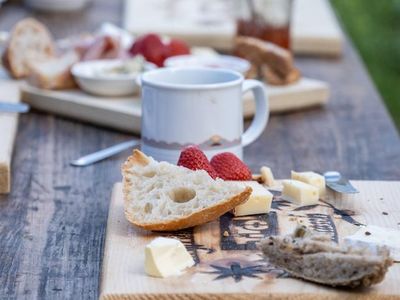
{"points": [[312, 178], [166, 257], [299, 192], [267, 177], [259, 201]]}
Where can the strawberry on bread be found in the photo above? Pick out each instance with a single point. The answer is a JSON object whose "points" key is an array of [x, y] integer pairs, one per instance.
{"points": [[194, 159], [161, 196], [229, 167]]}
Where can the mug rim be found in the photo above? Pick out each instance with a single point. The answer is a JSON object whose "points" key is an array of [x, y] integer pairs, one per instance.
{"points": [[144, 78]]}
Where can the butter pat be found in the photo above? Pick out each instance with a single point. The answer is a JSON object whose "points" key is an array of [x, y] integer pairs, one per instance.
{"points": [[312, 178], [259, 201], [166, 257], [299, 192], [267, 177], [377, 236]]}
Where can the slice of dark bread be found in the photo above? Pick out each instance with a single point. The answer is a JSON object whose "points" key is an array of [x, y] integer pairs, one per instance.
{"points": [[316, 258]]}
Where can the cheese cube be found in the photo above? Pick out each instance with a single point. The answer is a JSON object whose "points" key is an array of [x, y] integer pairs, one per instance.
{"points": [[299, 192], [166, 257], [259, 201], [267, 177], [312, 178]]}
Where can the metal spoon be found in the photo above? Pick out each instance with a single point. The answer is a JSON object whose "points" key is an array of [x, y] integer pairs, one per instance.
{"points": [[103, 154]]}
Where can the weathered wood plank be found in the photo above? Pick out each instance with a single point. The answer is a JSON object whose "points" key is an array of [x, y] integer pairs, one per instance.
{"points": [[9, 91]]}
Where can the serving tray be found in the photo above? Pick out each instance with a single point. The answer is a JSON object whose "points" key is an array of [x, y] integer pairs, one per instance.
{"points": [[229, 266], [124, 113]]}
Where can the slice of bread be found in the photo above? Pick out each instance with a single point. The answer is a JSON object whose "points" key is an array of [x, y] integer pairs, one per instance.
{"points": [[163, 197], [29, 41], [316, 258], [53, 73], [260, 52]]}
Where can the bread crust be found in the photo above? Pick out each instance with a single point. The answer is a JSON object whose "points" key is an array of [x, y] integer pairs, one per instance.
{"points": [[260, 52], [13, 45], [275, 79], [62, 80], [200, 217], [316, 258]]}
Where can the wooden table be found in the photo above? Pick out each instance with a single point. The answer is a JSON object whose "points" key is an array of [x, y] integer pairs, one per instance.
{"points": [[52, 225]]}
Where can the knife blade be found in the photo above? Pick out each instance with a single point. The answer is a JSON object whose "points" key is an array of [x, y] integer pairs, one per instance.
{"points": [[103, 154], [14, 107], [337, 182]]}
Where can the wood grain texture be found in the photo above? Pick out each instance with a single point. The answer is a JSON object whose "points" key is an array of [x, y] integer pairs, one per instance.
{"points": [[53, 222], [9, 92], [217, 254]]}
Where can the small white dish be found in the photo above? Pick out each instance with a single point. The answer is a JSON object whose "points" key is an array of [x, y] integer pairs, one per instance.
{"points": [[217, 61], [91, 77]]}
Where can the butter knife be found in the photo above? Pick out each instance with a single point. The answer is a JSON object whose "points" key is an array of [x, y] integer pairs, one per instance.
{"points": [[103, 154], [14, 107], [337, 182]]}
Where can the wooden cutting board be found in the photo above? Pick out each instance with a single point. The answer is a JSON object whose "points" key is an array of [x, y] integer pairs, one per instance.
{"points": [[124, 113], [228, 264], [9, 92], [314, 29]]}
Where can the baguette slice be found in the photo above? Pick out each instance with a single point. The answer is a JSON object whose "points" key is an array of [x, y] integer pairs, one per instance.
{"points": [[314, 257], [29, 41], [53, 73], [163, 197], [260, 52]]}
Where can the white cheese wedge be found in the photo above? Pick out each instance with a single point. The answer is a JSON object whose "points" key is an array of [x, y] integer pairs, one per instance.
{"points": [[259, 201], [312, 178], [378, 236], [267, 177], [166, 257], [299, 192]]}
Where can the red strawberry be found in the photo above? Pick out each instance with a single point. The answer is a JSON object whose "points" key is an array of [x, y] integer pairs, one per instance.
{"points": [[229, 167], [194, 159], [151, 47], [177, 47]]}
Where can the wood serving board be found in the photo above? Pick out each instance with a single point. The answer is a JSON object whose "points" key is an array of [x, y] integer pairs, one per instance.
{"points": [[229, 266], [9, 92], [124, 113], [314, 29]]}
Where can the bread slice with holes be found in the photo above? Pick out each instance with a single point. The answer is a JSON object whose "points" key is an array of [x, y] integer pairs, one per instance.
{"points": [[161, 196], [29, 41]]}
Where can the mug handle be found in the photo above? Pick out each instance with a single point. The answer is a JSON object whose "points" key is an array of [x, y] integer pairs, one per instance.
{"points": [[261, 111]]}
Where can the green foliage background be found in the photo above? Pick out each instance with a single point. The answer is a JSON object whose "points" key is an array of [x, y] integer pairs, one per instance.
{"points": [[374, 26]]}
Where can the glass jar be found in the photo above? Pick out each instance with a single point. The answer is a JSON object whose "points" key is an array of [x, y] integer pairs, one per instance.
{"points": [[265, 19]]}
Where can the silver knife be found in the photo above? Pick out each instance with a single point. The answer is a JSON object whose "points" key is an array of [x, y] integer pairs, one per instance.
{"points": [[103, 154], [337, 182], [14, 107]]}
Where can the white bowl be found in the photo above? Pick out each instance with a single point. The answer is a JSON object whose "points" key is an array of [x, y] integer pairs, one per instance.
{"points": [[218, 61], [89, 78]]}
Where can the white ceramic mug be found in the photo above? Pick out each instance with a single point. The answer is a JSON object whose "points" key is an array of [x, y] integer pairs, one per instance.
{"points": [[202, 106]]}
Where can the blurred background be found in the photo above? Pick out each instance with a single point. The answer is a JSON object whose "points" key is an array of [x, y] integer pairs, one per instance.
{"points": [[374, 28]]}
